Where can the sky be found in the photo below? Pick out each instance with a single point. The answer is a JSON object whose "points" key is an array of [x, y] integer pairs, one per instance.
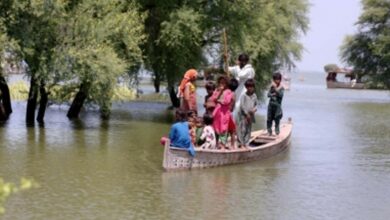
{"points": [[330, 22]]}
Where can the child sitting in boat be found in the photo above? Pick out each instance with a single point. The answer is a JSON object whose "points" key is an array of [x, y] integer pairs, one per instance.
{"points": [[246, 113], [209, 105], [275, 95], [208, 134], [223, 97], [199, 126], [192, 119], [180, 133]]}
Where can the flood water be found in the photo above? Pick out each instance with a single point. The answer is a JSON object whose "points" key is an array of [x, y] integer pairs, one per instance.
{"points": [[337, 167]]}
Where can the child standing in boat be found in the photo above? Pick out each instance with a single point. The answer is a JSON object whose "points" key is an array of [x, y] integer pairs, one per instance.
{"points": [[209, 105], [223, 97], [275, 95], [187, 91], [246, 113], [232, 130]]}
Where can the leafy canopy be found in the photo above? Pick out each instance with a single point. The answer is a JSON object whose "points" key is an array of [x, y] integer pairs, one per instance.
{"points": [[188, 34], [369, 49]]}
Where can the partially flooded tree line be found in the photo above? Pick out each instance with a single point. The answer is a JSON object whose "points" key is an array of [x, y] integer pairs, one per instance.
{"points": [[88, 42], [368, 51], [85, 46]]}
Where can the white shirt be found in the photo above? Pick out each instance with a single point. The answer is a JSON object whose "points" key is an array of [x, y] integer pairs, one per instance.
{"points": [[209, 136], [247, 72], [242, 75]]}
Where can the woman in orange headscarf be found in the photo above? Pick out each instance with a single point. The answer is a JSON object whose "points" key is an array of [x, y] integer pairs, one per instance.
{"points": [[187, 91]]}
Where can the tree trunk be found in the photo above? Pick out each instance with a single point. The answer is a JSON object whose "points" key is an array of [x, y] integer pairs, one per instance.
{"points": [[3, 115], [5, 96], [156, 82], [42, 103], [172, 95], [78, 102], [32, 101]]}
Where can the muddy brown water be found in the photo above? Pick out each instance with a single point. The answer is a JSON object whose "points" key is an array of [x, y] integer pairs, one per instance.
{"points": [[337, 167]]}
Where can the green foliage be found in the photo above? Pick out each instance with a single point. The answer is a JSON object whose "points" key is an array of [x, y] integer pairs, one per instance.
{"points": [[271, 37], [6, 189], [102, 41], [68, 43], [181, 37], [123, 93], [19, 91], [369, 50], [76, 41], [181, 32], [63, 93], [154, 97]]}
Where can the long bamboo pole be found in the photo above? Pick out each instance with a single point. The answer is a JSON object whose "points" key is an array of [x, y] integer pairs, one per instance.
{"points": [[225, 57]]}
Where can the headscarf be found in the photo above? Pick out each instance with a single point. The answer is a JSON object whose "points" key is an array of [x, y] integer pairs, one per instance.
{"points": [[188, 76]]}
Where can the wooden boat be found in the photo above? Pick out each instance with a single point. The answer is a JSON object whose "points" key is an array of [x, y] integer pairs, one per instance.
{"points": [[344, 85], [333, 71], [261, 146]]}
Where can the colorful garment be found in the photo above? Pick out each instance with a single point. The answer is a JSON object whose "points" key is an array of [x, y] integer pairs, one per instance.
{"points": [[189, 98], [199, 132], [247, 105], [222, 114], [209, 105], [187, 91], [208, 136], [180, 137], [193, 135], [274, 112], [190, 75]]}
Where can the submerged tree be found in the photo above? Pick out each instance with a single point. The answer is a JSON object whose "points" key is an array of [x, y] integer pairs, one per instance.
{"points": [[85, 45], [33, 25], [5, 98], [74, 42], [101, 42], [368, 51], [179, 32]]}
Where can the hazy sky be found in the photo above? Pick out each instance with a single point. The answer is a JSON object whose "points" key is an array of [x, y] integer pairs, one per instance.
{"points": [[330, 21]]}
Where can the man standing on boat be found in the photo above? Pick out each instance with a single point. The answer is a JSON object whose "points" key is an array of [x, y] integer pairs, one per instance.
{"points": [[242, 72]]}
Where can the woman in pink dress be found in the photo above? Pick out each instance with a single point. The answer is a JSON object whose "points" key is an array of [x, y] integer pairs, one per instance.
{"points": [[223, 97]]}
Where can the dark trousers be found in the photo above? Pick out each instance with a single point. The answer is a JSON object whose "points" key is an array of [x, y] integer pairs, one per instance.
{"points": [[273, 116]]}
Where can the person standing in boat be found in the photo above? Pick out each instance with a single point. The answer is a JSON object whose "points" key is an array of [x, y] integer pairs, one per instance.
{"points": [[187, 91], [223, 97], [246, 114], [242, 72], [275, 95], [232, 130], [208, 104]]}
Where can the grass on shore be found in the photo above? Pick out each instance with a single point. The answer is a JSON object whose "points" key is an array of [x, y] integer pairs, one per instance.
{"points": [[19, 92]]}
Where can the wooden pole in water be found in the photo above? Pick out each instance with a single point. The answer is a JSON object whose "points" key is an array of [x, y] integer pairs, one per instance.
{"points": [[225, 57]]}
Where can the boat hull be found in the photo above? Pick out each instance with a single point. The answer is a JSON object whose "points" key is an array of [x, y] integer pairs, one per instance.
{"points": [[179, 159], [344, 85]]}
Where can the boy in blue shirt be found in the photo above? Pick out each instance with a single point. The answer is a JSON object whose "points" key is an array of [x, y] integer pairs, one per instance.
{"points": [[180, 133]]}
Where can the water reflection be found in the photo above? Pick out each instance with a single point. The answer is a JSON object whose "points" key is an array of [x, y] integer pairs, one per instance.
{"points": [[90, 168]]}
